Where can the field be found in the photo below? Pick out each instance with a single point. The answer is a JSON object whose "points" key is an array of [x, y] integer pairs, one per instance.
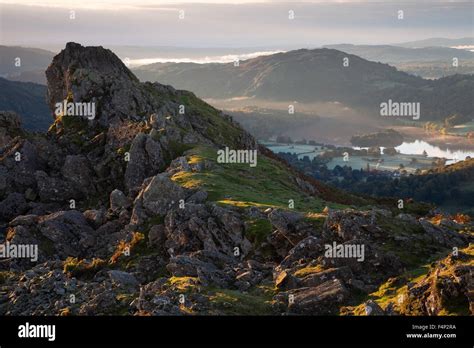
{"points": [[410, 162]]}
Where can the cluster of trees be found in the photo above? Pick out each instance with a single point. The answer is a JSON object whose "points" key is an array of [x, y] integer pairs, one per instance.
{"points": [[445, 126], [437, 186], [388, 137], [284, 139], [265, 123]]}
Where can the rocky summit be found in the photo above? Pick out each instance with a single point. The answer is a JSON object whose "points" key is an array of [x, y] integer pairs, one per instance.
{"points": [[129, 212]]}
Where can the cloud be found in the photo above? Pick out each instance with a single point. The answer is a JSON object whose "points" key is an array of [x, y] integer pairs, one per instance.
{"points": [[207, 59], [245, 25]]}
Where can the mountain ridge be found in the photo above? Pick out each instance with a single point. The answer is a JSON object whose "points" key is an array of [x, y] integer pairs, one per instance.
{"points": [[27, 99], [319, 75], [134, 214]]}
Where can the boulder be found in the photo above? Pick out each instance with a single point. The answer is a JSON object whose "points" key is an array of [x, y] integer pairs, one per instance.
{"points": [[70, 233], [53, 189], [95, 217], [123, 279], [323, 299], [208, 228], [76, 170], [13, 205], [118, 200], [136, 167], [161, 194]]}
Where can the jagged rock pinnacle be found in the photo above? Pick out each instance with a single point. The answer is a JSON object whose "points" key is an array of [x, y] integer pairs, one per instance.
{"points": [[95, 75]]}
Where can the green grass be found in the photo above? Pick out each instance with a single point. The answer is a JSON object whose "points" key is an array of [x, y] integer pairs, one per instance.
{"points": [[269, 184], [234, 302], [419, 251], [258, 230], [5, 276], [220, 130], [76, 267], [155, 220], [393, 288]]}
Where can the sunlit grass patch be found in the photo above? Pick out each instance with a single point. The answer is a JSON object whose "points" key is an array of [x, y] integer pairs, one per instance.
{"points": [[269, 184]]}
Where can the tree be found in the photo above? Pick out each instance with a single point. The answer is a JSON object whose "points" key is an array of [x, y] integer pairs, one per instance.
{"points": [[390, 151]]}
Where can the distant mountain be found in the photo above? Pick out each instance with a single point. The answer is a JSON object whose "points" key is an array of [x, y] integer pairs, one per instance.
{"points": [[319, 75], [28, 100], [176, 183], [394, 54], [443, 42], [427, 62], [34, 62]]}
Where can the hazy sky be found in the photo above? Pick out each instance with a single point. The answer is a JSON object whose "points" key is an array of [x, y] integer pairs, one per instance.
{"points": [[234, 23]]}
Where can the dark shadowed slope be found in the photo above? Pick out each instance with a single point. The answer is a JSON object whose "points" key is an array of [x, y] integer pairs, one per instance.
{"points": [[29, 101]]}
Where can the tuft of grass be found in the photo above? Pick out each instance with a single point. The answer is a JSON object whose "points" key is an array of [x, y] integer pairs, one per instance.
{"points": [[396, 288], [258, 230], [5, 276], [75, 267], [234, 302], [137, 238]]}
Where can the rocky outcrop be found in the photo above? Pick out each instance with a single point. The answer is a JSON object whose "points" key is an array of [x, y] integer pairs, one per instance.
{"points": [[115, 229], [210, 228], [446, 289], [319, 300]]}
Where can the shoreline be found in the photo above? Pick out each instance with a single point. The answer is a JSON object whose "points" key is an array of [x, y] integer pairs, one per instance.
{"points": [[452, 142]]}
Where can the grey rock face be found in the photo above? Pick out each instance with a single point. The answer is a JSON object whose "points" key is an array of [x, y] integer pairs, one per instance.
{"points": [[69, 232], [199, 227], [53, 189], [146, 158], [161, 194], [136, 167], [320, 300], [76, 170], [15, 204], [96, 75], [124, 279]]}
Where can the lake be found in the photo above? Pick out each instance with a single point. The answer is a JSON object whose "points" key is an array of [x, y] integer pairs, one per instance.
{"points": [[407, 151], [418, 146], [408, 148]]}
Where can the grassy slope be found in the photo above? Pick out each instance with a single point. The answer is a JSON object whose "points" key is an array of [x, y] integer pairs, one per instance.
{"points": [[269, 184]]}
